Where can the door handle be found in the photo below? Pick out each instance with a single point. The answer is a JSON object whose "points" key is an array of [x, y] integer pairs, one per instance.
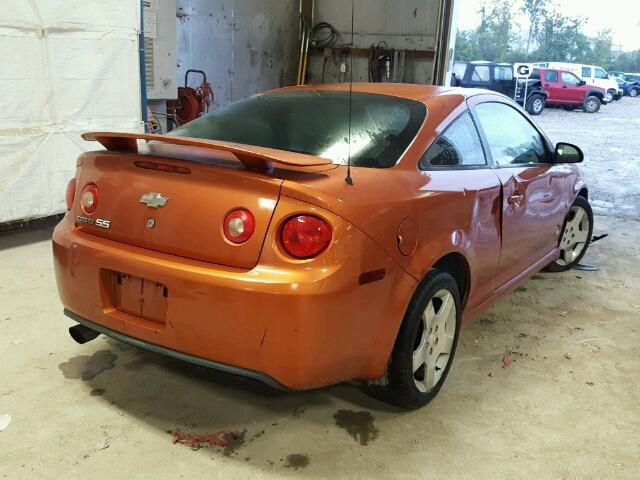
{"points": [[515, 199]]}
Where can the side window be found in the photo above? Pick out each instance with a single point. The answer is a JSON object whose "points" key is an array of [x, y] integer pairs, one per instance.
{"points": [[459, 145], [512, 139], [586, 72], [600, 73], [481, 73], [503, 73], [570, 78], [550, 76], [535, 75], [459, 69]]}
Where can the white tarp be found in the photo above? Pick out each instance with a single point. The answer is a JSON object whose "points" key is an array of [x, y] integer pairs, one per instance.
{"points": [[66, 66]]}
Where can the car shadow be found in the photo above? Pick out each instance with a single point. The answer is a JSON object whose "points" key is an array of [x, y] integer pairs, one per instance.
{"points": [[169, 395]]}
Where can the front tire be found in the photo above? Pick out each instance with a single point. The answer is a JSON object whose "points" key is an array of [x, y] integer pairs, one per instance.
{"points": [[591, 104], [633, 92], [576, 236], [425, 346], [535, 104]]}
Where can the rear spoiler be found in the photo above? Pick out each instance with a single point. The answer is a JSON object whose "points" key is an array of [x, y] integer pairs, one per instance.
{"points": [[251, 156]]}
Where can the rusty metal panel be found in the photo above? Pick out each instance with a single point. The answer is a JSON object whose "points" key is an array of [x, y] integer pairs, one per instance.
{"points": [[244, 46]]}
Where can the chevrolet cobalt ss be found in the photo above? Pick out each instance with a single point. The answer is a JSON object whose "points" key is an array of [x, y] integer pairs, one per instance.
{"points": [[313, 235]]}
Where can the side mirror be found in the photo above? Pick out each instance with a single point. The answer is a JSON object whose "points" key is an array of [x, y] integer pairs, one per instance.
{"points": [[582, 83], [567, 153]]}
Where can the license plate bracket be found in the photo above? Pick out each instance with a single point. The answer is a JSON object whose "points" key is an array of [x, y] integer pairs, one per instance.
{"points": [[136, 296]]}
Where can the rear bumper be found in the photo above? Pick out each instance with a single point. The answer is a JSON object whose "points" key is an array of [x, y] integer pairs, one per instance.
{"points": [[292, 325], [174, 354]]}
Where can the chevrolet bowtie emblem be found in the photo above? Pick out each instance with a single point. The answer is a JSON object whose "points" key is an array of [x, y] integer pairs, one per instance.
{"points": [[154, 200]]}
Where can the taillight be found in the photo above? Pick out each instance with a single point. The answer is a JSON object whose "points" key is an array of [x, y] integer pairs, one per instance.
{"points": [[239, 225], [71, 193], [89, 199], [305, 236]]}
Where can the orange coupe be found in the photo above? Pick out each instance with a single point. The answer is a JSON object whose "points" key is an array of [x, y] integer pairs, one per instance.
{"points": [[318, 234]]}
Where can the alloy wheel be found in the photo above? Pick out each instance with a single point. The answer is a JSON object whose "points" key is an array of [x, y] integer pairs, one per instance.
{"points": [[537, 105], [575, 236], [434, 341]]}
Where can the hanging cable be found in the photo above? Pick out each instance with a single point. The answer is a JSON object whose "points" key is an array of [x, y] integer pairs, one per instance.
{"points": [[325, 35], [380, 63]]}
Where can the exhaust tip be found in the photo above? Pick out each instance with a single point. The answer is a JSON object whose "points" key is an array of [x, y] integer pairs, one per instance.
{"points": [[82, 334]]}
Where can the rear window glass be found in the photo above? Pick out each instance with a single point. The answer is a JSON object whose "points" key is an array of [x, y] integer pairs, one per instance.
{"points": [[503, 73], [586, 72], [317, 123]]}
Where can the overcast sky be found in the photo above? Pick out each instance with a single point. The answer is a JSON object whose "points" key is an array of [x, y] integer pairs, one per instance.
{"points": [[621, 16]]}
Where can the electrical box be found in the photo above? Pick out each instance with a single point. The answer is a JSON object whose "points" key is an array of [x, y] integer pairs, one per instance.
{"points": [[160, 59]]}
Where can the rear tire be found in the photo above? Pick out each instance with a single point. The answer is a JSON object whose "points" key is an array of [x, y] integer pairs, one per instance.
{"points": [[633, 92], [591, 104], [535, 104], [425, 346], [576, 236]]}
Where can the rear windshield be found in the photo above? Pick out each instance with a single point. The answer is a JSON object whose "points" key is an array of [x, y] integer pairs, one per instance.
{"points": [[317, 123]]}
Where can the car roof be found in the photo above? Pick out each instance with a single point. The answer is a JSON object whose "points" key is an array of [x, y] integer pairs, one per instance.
{"points": [[402, 90]]}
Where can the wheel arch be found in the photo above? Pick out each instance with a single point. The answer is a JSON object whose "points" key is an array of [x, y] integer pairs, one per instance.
{"points": [[595, 93], [584, 193], [456, 265]]}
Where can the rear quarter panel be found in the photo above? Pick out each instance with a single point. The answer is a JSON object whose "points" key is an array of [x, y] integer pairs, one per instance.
{"points": [[454, 211]]}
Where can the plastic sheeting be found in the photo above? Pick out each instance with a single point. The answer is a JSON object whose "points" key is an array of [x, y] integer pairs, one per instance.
{"points": [[66, 66]]}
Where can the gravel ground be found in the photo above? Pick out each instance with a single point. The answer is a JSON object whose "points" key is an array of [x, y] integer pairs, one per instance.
{"points": [[610, 140]]}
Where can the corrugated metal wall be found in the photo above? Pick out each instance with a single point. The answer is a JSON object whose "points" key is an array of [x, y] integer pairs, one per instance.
{"points": [[244, 46]]}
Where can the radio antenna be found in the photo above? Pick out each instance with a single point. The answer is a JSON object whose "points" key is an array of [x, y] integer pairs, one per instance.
{"points": [[348, 180]]}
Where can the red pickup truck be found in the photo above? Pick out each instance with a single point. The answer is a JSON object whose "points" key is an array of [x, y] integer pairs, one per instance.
{"points": [[567, 90]]}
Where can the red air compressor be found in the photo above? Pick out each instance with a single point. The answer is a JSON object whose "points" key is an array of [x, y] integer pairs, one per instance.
{"points": [[191, 102]]}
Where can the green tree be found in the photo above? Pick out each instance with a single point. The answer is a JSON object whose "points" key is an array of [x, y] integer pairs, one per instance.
{"points": [[601, 49], [560, 39], [466, 45], [536, 10], [495, 35], [627, 62]]}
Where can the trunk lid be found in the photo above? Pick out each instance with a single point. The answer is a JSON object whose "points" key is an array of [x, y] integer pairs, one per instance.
{"points": [[190, 224]]}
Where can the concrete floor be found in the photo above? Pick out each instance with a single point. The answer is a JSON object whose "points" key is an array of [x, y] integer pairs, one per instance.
{"points": [[566, 408]]}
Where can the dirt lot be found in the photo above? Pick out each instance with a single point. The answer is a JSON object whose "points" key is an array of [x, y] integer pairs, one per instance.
{"points": [[566, 408]]}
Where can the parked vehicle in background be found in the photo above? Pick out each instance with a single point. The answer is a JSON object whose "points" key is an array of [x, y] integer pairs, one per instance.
{"points": [[591, 74], [632, 77], [629, 77], [629, 88], [498, 77], [567, 90]]}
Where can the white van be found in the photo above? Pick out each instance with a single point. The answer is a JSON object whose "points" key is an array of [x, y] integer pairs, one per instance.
{"points": [[591, 74]]}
